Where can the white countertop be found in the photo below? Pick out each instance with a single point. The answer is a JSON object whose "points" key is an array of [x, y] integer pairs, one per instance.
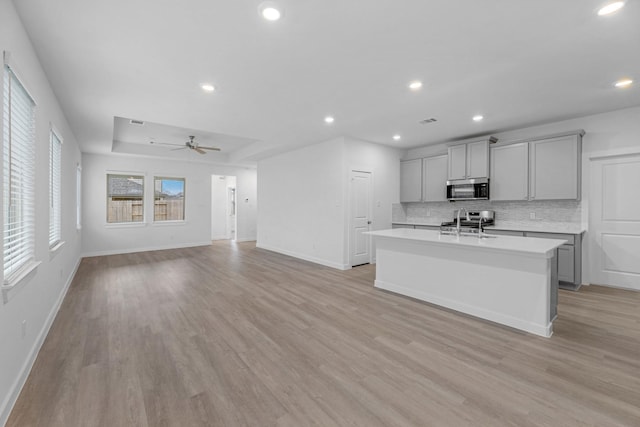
{"points": [[528, 245], [533, 226], [539, 227], [434, 223]]}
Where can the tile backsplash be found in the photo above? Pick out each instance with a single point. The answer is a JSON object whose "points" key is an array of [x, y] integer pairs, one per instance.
{"points": [[553, 211]]}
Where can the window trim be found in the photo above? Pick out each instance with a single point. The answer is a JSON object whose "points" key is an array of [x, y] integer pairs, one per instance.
{"points": [[53, 132], [184, 198], [29, 263], [78, 197], [143, 221]]}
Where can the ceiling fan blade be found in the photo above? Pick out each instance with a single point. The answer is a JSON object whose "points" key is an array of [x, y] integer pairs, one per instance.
{"points": [[166, 143], [208, 148], [176, 149], [199, 150]]}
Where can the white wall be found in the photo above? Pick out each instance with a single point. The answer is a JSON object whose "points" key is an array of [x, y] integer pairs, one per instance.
{"points": [[219, 207], [301, 203], [37, 298], [100, 238], [304, 198]]}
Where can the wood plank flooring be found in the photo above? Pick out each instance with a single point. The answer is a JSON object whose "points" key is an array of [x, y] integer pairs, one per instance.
{"points": [[231, 335]]}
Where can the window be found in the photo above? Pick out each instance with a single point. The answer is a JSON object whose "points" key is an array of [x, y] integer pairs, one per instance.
{"points": [[168, 199], [78, 197], [55, 166], [18, 146], [125, 198]]}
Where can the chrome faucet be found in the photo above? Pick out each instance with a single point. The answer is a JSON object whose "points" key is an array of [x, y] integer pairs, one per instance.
{"points": [[458, 219]]}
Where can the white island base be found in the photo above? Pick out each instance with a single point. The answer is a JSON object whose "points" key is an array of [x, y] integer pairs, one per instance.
{"points": [[504, 279]]}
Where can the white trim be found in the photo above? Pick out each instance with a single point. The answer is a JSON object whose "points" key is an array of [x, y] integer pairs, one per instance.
{"points": [[125, 224], [245, 239], [305, 257], [8, 61], [18, 279], [482, 314], [53, 251], [145, 249], [169, 222], [621, 152], [18, 384]]}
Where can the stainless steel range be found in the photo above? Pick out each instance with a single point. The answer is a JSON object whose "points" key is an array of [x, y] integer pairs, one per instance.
{"points": [[468, 222]]}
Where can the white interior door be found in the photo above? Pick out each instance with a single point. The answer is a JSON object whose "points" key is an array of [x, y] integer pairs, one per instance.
{"points": [[360, 244], [614, 221]]}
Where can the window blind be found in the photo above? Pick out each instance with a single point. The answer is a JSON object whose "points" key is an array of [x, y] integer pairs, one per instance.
{"points": [[18, 173], [55, 214]]}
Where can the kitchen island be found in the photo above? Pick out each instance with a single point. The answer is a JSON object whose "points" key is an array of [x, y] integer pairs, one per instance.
{"points": [[504, 279]]}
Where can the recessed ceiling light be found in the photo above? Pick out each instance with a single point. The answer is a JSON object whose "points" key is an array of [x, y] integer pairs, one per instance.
{"points": [[415, 85], [396, 137], [610, 8], [623, 83], [329, 119], [478, 118], [270, 11], [208, 87]]}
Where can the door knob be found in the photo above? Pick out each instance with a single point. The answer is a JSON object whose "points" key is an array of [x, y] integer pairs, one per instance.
{"points": [[368, 222]]}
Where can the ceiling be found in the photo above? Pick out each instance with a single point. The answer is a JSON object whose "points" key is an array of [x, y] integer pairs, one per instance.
{"points": [[517, 63]]}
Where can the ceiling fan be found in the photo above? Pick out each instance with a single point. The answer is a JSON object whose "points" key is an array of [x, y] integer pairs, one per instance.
{"points": [[191, 144]]}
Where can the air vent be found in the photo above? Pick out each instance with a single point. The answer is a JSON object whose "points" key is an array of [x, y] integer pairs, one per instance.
{"points": [[136, 122], [425, 121]]}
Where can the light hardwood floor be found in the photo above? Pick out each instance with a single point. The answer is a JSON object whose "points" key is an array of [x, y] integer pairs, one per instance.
{"points": [[231, 335]]}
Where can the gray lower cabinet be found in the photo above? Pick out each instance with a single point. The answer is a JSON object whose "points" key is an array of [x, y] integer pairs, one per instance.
{"points": [[569, 255], [504, 232], [428, 227], [569, 258]]}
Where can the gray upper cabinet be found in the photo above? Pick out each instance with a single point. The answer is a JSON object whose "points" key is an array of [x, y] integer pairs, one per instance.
{"points": [[434, 174], [411, 180], [478, 159], [554, 165], [509, 178], [546, 168], [469, 160], [458, 162]]}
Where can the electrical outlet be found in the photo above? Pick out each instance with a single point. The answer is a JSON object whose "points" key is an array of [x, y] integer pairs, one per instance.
{"points": [[532, 215], [428, 212], [24, 328]]}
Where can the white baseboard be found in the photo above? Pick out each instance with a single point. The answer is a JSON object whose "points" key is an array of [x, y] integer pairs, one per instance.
{"points": [[220, 238], [305, 257], [146, 249], [246, 239], [16, 387]]}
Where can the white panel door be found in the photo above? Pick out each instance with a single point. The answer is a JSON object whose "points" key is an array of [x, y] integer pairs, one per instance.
{"points": [[360, 217], [614, 221]]}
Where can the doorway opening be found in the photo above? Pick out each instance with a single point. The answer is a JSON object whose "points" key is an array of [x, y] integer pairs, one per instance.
{"points": [[223, 207]]}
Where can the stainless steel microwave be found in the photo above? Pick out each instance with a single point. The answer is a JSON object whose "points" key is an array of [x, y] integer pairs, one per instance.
{"points": [[468, 189]]}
